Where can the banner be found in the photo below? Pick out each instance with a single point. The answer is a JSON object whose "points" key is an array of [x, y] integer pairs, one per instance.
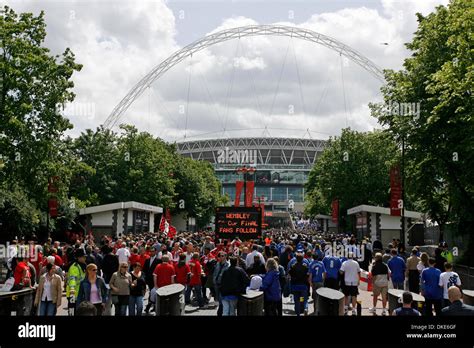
{"points": [[239, 185], [396, 202], [249, 193], [335, 210], [165, 224], [53, 207]]}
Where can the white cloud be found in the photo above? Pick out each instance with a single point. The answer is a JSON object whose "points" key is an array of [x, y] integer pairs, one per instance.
{"points": [[232, 85]]}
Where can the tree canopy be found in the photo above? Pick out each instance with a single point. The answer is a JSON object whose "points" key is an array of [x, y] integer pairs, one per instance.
{"points": [[97, 167]]}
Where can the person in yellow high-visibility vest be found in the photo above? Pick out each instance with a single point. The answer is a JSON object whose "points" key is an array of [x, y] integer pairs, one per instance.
{"points": [[446, 253], [75, 276]]}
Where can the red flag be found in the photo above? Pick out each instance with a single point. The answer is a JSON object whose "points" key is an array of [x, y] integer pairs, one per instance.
{"points": [[162, 223], [249, 193], [166, 218], [171, 231], [239, 185]]}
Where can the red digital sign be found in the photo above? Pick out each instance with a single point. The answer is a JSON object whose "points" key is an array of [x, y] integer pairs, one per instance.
{"points": [[242, 222]]}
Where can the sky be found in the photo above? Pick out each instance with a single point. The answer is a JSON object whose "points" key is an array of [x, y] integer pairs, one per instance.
{"points": [[252, 86]]}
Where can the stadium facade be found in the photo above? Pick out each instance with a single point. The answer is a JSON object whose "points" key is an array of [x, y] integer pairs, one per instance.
{"points": [[282, 166]]}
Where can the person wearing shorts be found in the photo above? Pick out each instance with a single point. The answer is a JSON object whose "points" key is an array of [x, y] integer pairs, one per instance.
{"points": [[351, 271], [380, 278]]}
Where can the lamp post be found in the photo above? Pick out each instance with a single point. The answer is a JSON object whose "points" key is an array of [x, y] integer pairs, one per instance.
{"points": [[402, 173]]}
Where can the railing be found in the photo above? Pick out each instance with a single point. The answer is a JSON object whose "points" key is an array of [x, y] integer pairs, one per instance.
{"points": [[467, 276]]}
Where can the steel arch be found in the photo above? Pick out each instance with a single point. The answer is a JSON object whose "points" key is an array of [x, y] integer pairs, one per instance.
{"points": [[237, 33]]}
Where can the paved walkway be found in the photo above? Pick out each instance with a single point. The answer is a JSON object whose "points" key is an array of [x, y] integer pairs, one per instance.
{"points": [[288, 306]]}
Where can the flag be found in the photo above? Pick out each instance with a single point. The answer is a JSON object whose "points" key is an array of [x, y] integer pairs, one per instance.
{"points": [[165, 224]]}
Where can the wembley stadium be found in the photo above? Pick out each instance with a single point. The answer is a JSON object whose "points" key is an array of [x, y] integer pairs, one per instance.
{"points": [[282, 166]]}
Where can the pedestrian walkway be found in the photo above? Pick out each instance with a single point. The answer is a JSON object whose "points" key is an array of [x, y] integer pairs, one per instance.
{"points": [[288, 307]]}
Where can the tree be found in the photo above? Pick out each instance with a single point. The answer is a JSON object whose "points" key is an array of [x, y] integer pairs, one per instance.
{"points": [[440, 139], [32, 85], [198, 188], [353, 168]]}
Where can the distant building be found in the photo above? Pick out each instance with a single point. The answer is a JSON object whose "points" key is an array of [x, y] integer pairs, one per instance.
{"points": [[377, 223], [120, 218], [282, 166]]}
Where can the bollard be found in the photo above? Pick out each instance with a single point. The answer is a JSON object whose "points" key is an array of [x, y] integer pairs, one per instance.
{"points": [[330, 302], [170, 300], [468, 297], [250, 304], [393, 296]]}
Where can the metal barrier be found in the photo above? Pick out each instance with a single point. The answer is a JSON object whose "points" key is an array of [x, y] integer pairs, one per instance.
{"points": [[467, 276]]}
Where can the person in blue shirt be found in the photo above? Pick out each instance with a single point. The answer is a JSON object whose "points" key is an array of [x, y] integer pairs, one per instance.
{"points": [[317, 273], [332, 266], [432, 292], [397, 268], [293, 260]]}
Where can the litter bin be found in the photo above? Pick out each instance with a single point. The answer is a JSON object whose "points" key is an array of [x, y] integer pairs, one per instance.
{"points": [[20, 301], [330, 302], [170, 300], [250, 304], [394, 295], [468, 297]]}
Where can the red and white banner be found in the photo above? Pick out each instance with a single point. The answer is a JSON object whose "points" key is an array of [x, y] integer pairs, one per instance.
{"points": [[239, 185], [396, 202], [165, 224], [249, 193], [335, 210]]}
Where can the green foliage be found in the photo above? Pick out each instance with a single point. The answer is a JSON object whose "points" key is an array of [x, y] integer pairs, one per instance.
{"points": [[353, 168], [440, 142], [134, 166], [98, 167]]}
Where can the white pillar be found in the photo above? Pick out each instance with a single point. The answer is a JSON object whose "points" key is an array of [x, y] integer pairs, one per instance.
{"points": [[151, 226]]}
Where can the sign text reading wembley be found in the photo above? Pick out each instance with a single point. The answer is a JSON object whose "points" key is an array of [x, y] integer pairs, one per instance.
{"points": [[242, 222]]}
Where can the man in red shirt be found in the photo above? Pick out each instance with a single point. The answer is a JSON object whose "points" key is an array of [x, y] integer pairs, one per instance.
{"points": [[164, 273], [195, 282], [143, 256], [21, 275]]}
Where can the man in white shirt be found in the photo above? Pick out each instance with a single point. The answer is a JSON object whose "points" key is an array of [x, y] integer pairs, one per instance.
{"points": [[351, 271], [123, 254], [250, 257], [448, 279]]}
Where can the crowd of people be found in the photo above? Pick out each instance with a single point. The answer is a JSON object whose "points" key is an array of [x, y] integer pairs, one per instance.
{"points": [[119, 272]]}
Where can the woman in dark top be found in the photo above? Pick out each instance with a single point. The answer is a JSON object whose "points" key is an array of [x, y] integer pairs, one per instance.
{"points": [[257, 267], [137, 291]]}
